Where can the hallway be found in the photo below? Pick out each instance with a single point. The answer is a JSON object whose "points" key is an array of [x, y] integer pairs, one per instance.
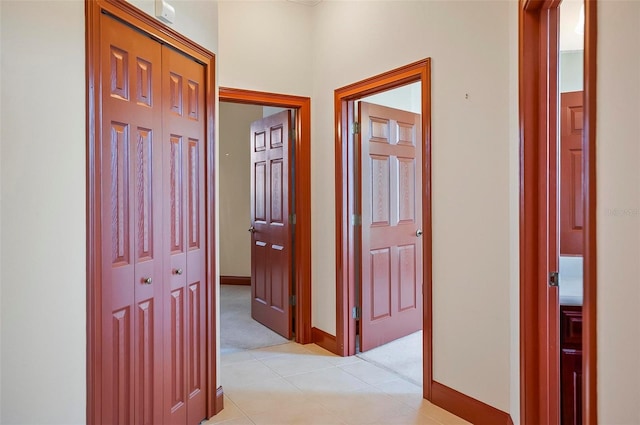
{"points": [[268, 380], [305, 384]]}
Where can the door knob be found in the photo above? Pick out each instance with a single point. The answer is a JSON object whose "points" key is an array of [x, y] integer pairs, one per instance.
{"points": [[146, 281], [252, 229], [419, 232], [178, 272]]}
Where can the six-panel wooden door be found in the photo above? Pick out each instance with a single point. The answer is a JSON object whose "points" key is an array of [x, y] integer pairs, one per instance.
{"points": [[271, 239], [391, 243], [152, 159], [571, 197]]}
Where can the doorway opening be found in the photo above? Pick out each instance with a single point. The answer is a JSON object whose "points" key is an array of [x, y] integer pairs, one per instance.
{"points": [[388, 289], [290, 209], [365, 193], [569, 211], [558, 213]]}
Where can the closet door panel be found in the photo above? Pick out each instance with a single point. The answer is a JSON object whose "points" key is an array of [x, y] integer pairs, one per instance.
{"points": [[132, 256], [184, 130]]}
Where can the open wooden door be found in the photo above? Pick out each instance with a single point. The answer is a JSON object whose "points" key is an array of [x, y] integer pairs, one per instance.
{"points": [[571, 198], [391, 247], [270, 229]]}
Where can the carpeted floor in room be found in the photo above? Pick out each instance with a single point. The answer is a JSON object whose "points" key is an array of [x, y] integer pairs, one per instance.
{"points": [[402, 356], [238, 330]]}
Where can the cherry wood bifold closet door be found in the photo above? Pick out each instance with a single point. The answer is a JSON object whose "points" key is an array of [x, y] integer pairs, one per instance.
{"points": [[270, 234], [391, 188], [153, 271], [132, 289]]}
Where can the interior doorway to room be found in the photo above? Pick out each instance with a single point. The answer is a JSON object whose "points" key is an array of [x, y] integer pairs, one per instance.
{"points": [[570, 207], [264, 266], [389, 288], [384, 221], [558, 258], [255, 284]]}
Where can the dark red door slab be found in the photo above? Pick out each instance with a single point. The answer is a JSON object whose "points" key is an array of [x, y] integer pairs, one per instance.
{"points": [[391, 250], [270, 241]]}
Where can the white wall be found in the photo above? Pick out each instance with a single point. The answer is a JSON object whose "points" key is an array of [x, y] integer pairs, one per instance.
{"points": [[43, 212], [473, 149], [571, 73], [470, 174], [407, 98], [265, 46], [514, 215], [618, 215], [196, 19], [0, 215], [235, 187], [42, 215]]}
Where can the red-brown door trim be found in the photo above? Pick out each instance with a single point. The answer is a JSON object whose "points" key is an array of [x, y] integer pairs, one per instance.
{"points": [[130, 15], [538, 52], [345, 183], [302, 242], [589, 341], [539, 383]]}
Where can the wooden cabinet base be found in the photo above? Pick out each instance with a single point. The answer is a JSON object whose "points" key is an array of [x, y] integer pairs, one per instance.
{"points": [[571, 365]]}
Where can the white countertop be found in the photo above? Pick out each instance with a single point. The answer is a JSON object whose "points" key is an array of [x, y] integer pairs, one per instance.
{"points": [[571, 287], [571, 291]]}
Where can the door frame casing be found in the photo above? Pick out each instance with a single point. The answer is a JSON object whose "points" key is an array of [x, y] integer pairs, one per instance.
{"points": [[130, 15], [537, 51], [302, 159], [346, 204]]}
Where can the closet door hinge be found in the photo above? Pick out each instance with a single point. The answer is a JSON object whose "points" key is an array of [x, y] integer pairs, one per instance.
{"points": [[356, 220], [355, 127], [292, 300], [292, 218], [554, 279]]}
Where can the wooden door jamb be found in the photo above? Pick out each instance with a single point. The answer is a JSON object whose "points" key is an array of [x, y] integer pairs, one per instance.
{"points": [[302, 245], [346, 231]]}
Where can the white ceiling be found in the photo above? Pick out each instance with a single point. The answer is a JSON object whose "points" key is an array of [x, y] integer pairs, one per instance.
{"points": [[569, 15]]}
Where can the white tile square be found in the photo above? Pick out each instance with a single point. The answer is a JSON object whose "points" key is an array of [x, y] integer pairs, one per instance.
{"points": [[267, 395], [243, 374], [369, 373], [326, 380], [279, 350], [228, 413], [294, 364]]}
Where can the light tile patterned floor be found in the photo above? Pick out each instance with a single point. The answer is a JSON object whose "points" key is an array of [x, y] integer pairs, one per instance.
{"points": [[304, 384]]}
